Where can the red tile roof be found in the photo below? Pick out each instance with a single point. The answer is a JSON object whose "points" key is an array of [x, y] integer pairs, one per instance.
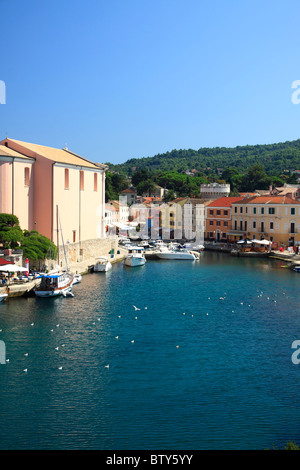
{"points": [[269, 200], [225, 201]]}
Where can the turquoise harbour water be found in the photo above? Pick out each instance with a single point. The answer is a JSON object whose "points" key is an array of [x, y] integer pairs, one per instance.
{"points": [[210, 366]]}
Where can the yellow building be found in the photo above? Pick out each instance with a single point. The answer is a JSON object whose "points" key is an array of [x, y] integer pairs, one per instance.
{"points": [[275, 218]]}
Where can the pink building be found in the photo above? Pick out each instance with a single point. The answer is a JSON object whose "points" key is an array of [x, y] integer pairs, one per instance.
{"points": [[49, 189]]}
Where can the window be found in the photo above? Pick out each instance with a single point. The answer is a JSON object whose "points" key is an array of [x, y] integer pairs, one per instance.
{"points": [[218, 212], [292, 210], [95, 181], [292, 227], [225, 223], [218, 223], [225, 212], [241, 225], [66, 178], [271, 210], [26, 176], [74, 236], [254, 210], [246, 225], [211, 212], [235, 225], [254, 224], [211, 222], [262, 227], [262, 210], [241, 210], [271, 225], [235, 209], [81, 180]]}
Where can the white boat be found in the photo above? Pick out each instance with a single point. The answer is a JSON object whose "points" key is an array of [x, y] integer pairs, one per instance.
{"points": [[77, 279], [55, 284], [180, 254], [135, 257], [102, 264], [194, 246], [2, 297]]}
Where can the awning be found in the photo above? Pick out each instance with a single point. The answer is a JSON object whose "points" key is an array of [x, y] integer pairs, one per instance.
{"points": [[4, 261], [12, 268], [236, 234], [261, 242]]}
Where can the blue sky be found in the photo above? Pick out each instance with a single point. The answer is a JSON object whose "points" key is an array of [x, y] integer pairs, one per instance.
{"points": [[120, 79]]}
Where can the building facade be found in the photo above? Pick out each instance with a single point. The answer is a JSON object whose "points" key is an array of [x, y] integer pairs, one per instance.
{"points": [[275, 218], [53, 191], [218, 220]]}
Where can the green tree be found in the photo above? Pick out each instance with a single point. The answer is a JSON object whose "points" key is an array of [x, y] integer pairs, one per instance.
{"points": [[146, 187], [10, 231], [36, 246], [255, 178]]}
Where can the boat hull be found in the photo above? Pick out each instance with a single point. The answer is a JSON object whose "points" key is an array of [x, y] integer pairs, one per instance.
{"points": [[102, 268], [133, 261], [60, 288], [3, 297], [177, 256]]}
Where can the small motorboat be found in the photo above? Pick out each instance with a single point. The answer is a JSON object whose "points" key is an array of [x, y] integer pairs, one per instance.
{"points": [[77, 279], [135, 257], [102, 264]]}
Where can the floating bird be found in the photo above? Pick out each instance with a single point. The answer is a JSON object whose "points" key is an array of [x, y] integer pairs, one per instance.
{"points": [[119, 316], [132, 341], [57, 348], [177, 346], [116, 337], [136, 308], [26, 354], [31, 324], [107, 366], [60, 368], [146, 308], [183, 313], [25, 370], [135, 318], [7, 360], [51, 330]]}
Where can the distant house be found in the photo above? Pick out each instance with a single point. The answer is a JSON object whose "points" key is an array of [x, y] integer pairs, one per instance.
{"points": [[130, 195], [289, 190]]}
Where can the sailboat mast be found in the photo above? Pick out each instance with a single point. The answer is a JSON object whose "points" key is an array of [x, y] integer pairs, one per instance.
{"points": [[57, 235]]}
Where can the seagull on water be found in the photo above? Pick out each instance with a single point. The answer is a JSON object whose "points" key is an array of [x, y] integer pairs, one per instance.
{"points": [[136, 308], [107, 366]]}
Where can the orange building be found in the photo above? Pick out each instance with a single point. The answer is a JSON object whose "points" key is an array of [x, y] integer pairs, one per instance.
{"points": [[218, 219]]}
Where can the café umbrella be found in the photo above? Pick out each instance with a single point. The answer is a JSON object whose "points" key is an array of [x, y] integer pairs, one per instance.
{"points": [[12, 268]]}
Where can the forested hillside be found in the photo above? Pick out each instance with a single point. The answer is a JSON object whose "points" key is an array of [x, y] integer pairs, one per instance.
{"points": [[275, 158]]}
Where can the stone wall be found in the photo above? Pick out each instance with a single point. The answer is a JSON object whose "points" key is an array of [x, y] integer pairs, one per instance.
{"points": [[82, 253]]}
